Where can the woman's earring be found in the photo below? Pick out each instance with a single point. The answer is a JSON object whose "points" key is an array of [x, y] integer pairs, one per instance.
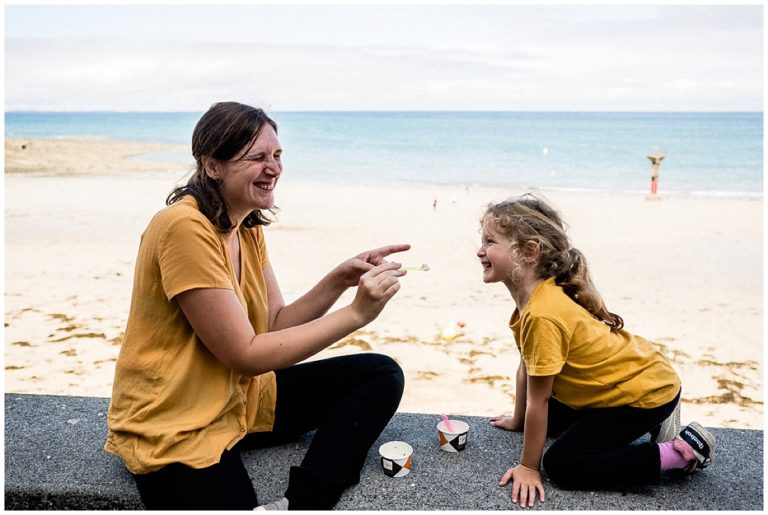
{"points": [[210, 177]]}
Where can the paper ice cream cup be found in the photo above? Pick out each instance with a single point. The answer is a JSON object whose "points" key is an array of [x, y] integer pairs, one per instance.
{"points": [[453, 441], [396, 458]]}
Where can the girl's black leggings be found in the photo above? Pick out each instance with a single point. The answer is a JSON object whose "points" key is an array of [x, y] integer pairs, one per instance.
{"points": [[594, 447], [348, 400]]}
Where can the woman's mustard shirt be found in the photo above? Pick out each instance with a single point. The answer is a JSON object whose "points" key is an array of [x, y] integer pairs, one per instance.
{"points": [[172, 400]]}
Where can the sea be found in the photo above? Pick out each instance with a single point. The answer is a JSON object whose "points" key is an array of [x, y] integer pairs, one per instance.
{"points": [[705, 154]]}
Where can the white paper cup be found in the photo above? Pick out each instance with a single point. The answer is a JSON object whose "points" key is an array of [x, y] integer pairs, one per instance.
{"points": [[453, 441], [396, 458]]}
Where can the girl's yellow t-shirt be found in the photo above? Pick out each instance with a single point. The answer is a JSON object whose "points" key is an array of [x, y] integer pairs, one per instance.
{"points": [[593, 366], [172, 400]]}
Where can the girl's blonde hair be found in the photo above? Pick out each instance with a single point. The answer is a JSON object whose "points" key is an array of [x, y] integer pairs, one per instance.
{"points": [[527, 218]]}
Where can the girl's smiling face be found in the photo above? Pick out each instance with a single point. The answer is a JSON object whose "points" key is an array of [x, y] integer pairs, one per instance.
{"points": [[498, 255]]}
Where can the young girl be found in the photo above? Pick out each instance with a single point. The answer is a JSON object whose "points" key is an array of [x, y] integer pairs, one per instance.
{"points": [[583, 380]]}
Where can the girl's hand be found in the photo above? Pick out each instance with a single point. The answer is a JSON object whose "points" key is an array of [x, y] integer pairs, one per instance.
{"points": [[375, 288], [350, 271], [525, 483], [506, 422]]}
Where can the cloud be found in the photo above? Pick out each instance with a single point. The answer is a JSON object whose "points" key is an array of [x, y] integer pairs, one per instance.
{"points": [[105, 74], [524, 70]]}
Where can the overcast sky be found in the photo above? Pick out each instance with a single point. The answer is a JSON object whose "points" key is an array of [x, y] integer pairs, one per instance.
{"points": [[402, 57]]}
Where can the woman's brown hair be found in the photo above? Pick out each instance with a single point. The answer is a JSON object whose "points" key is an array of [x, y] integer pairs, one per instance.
{"points": [[528, 218], [223, 131]]}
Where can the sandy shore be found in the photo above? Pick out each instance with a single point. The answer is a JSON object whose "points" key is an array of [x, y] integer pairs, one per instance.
{"points": [[684, 272], [83, 156]]}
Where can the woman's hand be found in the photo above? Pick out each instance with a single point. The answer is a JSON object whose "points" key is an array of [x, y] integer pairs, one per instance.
{"points": [[350, 271], [374, 290], [506, 422], [525, 483]]}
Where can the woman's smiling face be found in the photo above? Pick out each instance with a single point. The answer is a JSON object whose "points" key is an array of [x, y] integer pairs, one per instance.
{"points": [[249, 179]]}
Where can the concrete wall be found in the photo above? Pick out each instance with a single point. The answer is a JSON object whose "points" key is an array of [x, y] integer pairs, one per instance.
{"points": [[54, 460]]}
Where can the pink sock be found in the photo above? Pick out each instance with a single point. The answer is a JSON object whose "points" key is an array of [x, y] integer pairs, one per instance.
{"points": [[672, 457]]}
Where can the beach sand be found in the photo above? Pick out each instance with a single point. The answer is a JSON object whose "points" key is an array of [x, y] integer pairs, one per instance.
{"points": [[685, 272]]}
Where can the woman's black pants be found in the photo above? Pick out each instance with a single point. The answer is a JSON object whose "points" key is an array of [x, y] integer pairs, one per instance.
{"points": [[347, 399], [594, 447]]}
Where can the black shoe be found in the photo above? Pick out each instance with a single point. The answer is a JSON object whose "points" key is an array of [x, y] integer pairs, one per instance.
{"points": [[702, 442]]}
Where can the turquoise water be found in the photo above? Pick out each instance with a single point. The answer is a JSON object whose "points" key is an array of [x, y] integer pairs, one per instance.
{"points": [[706, 153]]}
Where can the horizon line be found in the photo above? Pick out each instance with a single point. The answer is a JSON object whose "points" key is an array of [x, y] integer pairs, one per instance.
{"points": [[620, 111]]}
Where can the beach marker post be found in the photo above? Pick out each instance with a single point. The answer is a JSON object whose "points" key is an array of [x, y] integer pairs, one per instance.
{"points": [[656, 158]]}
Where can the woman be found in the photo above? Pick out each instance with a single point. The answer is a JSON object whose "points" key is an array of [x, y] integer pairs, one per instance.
{"points": [[210, 352]]}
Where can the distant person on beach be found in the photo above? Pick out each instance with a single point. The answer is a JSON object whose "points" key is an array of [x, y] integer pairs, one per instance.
{"points": [[582, 379], [208, 364]]}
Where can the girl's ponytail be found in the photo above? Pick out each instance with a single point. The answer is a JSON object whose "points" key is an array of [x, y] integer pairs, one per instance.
{"points": [[577, 284], [528, 218]]}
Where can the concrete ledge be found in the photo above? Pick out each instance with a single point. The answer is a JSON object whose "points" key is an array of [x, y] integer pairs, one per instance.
{"points": [[54, 460]]}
